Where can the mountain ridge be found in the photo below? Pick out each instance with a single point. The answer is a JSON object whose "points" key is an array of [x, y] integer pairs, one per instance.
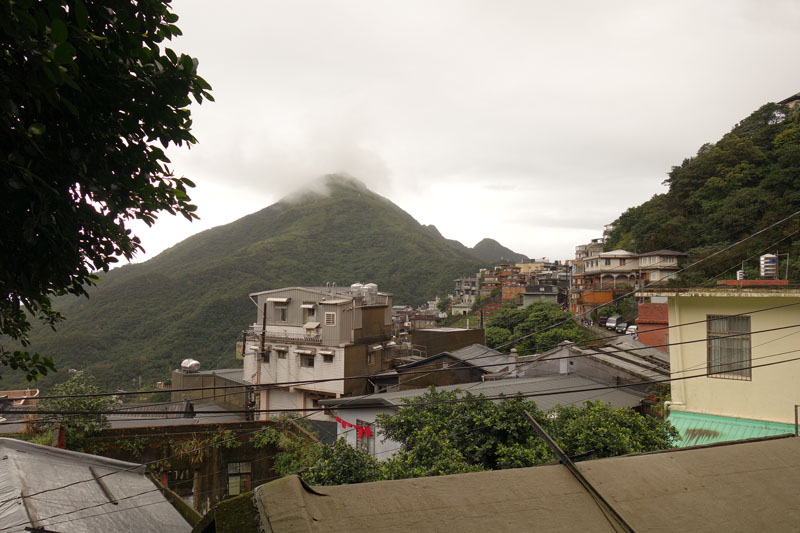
{"points": [[191, 299]]}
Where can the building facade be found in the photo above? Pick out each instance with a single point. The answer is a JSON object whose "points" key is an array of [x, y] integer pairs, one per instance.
{"points": [[314, 334], [734, 352]]}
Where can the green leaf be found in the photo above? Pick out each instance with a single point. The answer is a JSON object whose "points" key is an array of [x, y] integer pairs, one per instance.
{"points": [[36, 129], [81, 15], [58, 31], [64, 53]]}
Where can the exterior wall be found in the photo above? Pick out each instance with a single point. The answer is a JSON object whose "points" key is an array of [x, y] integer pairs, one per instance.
{"points": [[437, 341], [356, 364], [653, 320], [378, 448], [418, 377], [234, 399], [771, 393], [179, 474], [512, 293]]}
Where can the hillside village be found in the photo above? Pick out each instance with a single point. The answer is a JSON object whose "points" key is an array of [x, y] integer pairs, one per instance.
{"points": [[328, 363]]}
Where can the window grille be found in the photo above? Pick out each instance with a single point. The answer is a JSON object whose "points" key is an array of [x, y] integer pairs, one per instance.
{"points": [[238, 478], [330, 319], [729, 354], [307, 360]]}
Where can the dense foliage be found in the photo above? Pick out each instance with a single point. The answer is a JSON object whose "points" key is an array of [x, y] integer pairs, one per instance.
{"points": [[191, 300], [520, 327], [747, 181], [77, 426], [88, 102], [439, 436]]}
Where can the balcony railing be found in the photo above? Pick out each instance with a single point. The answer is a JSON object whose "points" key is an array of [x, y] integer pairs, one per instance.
{"points": [[287, 337]]}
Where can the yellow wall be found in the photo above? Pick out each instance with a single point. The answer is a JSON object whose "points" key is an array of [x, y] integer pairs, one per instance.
{"points": [[773, 390]]}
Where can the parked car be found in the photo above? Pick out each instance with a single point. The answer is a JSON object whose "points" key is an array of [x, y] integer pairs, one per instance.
{"points": [[612, 321], [633, 329], [621, 327], [601, 322]]}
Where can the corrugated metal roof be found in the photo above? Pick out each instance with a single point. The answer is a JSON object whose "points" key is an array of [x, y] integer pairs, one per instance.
{"points": [[697, 429], [509, 387], [79, 503]]}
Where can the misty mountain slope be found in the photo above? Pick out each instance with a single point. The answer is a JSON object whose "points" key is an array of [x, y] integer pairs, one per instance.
{"points": [[191, 300]]}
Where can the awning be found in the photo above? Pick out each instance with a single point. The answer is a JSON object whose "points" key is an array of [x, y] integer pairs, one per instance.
{"points": [[279, 300], [281, 348], [308, 306], [325, 352], [311, 325], [305, 352]]}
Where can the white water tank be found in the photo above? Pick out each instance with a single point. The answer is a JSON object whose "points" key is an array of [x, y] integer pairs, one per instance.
{"points": [[769, 266], [355, 288], [370, 293], [190, 365]]}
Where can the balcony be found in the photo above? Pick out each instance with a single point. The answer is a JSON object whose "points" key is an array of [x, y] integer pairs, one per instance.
{"points": [[254, 335]]}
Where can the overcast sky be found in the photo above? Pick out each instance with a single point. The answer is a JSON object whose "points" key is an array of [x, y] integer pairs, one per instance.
{"points": [[534, 123]]}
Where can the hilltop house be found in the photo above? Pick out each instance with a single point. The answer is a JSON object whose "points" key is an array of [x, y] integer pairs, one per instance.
{"points": [[599, 279], [734, 357], [313, 334]]}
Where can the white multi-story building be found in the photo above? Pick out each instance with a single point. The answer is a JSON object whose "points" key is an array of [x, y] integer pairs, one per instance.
{"points": [[306, 339]]}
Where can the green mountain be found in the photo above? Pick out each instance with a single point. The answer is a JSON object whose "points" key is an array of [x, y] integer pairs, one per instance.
{"points": [[746, 181], [490, 250], [191, 300]]}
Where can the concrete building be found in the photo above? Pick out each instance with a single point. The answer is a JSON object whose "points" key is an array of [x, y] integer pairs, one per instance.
{"points": [[316, 333], [737, 347]]}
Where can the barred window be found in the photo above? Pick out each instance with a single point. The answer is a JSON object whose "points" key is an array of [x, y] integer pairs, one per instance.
{"points": [[729, 347], [330, 319]]}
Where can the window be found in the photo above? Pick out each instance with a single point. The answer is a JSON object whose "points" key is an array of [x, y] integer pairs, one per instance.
{"points": [[330, 319], [265, 356], [370, 358], [327, 358], [729, 347], [607, 262], [281, 353], [238, 478], [366, 444], [309, 312], [307, 360], [281, 311], [622, 261]]}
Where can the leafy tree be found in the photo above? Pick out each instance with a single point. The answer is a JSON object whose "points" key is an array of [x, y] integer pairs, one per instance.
{"points": [[77, 426], [294, 452], [450, 438], [496, 336], [744, 182], [608, 431], [341, 464], [88, 102]]}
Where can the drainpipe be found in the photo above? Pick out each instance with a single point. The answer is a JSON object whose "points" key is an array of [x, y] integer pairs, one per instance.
{"points": [[667, 405]]}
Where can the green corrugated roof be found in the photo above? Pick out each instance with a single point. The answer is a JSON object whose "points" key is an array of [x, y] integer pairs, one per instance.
{"points": [[696, 429]]}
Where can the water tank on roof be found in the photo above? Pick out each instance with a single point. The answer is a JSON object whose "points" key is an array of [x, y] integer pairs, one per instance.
{"points": [[769, 266], [370, 293], [355, 288], [740, 275], [190, 365]]}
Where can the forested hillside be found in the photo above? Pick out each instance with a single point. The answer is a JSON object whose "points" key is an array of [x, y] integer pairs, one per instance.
{"points": [[191, 300], [744, 182]]}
